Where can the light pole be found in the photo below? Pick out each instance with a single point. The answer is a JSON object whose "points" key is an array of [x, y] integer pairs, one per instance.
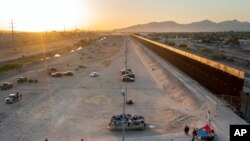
{"points": [[123, 117], [126, 67]]}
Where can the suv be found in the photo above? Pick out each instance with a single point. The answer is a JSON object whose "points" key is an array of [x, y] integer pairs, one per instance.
{"points": [[6, 86], [94, 74], [127, 79], [68, 73], [22, 80], [51, 70], [56, 74], [131, 75], [12, 98], [126, 71]]}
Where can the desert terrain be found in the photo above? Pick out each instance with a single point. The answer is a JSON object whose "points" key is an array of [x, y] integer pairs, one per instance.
{"points": [[71, 108]]}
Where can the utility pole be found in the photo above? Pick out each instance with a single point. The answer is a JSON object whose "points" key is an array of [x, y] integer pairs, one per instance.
{"points": [[123, 115], [75, 31], [64, 30], [12, 29], [46, 34]]}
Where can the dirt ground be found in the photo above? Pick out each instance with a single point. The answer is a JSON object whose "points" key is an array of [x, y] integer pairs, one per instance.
{"points": [[20, 47], [71, 108]]}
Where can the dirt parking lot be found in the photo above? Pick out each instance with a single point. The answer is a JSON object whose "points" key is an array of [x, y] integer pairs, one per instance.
{"points": [[70, 108]]}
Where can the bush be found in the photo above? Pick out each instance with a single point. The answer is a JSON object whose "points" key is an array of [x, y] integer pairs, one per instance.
{"points": [[7, 67], [188, 49], [203, 50], [183, 45], [218, 56], [170, 43], [81, 66], [130, 102]]}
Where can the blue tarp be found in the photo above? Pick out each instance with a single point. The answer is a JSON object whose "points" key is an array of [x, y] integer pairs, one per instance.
{"points": [[202, 133]]}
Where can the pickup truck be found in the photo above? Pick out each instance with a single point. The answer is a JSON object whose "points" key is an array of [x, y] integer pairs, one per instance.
{"points": [[6, 86]]}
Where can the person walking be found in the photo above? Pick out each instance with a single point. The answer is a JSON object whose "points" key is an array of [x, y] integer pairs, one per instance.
{"points": [[186, 130], [194, 134]]}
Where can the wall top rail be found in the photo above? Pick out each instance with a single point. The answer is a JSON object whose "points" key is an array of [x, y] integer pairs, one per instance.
{"points": [[222, 67]]}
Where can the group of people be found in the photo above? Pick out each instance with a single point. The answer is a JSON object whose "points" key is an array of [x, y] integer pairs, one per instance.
{"points": [[129, 119], [194, 133]]}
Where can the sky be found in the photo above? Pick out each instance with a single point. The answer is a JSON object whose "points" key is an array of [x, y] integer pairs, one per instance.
{"points": [[39, 15]]}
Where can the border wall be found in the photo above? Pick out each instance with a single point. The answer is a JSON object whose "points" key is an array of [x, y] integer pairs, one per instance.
{"points": [[224, 81]]}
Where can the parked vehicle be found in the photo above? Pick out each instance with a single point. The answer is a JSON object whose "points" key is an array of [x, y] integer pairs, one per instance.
{"points": [[6, 86], [131, 75], [51, 70], [56, 74], [32, 80], [94, 74], [126, 71], [68, 73], [127, 79], [12, 98], [22, 80]]}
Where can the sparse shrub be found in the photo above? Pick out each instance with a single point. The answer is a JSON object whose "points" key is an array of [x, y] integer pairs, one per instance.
{"points": [[202, 50], [218, 56], [7, 67], [188, 49], [183, 45], [170, 43], [81, 66]]}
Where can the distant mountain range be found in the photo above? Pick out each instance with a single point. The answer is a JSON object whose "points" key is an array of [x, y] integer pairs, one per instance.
{"points": [[202, 26]]}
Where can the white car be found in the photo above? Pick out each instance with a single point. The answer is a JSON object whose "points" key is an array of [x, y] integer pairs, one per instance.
{"points": [[12, 98], [57, 74], [94, 74]]}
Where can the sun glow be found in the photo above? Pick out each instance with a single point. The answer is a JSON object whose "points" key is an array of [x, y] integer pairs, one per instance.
{"points": [[37, 15]]}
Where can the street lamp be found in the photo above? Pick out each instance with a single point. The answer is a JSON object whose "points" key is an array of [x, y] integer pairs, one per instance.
{"points": [[126, 67], [123, 117]]}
